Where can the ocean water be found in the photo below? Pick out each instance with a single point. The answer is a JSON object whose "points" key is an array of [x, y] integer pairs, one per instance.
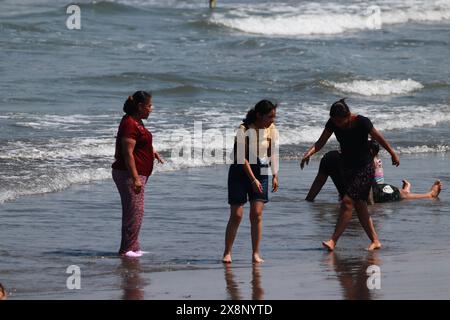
{"points": [[183, 232], [62, 91]]}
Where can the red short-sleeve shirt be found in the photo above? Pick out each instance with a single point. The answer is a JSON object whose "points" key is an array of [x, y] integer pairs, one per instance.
{"points": [[143, 151]]}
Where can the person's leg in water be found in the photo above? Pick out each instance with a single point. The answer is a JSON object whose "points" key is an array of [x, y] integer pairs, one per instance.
{"points": [[256, 210], [345, 215], [405, 192], [237, 211], [316, 187], [367, 224]]}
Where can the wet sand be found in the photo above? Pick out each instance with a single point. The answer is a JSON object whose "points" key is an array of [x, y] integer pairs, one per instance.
{"points": [[183, 229]]}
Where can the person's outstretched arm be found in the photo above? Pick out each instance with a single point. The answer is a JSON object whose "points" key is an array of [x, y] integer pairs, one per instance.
{"points": [[326, 134], [377, 136]]}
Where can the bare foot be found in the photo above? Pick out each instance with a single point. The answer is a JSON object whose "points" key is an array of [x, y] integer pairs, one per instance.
{"points": [[329, 245], [406, 186], [374, 245], [133, 254], [436, 189], [257, 258], [226, 258]]}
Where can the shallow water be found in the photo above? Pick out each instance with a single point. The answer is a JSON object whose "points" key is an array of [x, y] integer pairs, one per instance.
{"points": [[183, 230]]}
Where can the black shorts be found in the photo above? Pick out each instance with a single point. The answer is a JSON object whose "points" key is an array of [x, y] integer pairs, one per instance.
{"points": [[385, 193], [240, 186]]}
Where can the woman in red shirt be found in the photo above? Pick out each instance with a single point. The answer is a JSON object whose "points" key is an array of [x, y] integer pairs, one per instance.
{"points": [[134, 164]]}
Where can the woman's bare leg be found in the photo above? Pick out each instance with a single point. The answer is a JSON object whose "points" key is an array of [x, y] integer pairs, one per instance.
{"points": [[236, 214], [367, 224], [345, 215], [256, 210]]}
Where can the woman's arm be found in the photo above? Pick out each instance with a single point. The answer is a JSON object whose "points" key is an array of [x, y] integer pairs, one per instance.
{"points": [[128, 145], [377, 136], [256, 185], [275, 175], [274, 158], [326, 134], [157, 156]]}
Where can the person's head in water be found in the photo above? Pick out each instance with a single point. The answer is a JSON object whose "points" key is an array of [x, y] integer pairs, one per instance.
{"points": [[374, 148], [340, 114], [139, 105], [262, 115]]}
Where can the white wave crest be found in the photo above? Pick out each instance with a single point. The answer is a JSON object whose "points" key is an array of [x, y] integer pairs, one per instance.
{"points": [[73, 149], [424, 149], [376, 87], [329, 18], [407, 117], [58, 181]]}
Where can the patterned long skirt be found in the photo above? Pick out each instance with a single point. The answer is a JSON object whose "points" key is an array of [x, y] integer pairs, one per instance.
{"points": [[132, 209]]}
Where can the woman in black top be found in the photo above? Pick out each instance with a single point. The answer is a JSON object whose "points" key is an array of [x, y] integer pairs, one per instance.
{"points": [[352, 133]]}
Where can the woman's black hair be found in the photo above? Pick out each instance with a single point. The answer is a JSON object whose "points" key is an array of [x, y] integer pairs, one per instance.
{"points": [[339, 109], [262, 107], [131, 104], [374, 147]]}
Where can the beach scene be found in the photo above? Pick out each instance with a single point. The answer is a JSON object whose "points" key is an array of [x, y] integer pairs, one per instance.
{"points": [[66, 71]]}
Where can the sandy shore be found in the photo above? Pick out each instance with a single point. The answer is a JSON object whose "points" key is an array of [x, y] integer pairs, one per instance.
{"points": [[186, 215]]}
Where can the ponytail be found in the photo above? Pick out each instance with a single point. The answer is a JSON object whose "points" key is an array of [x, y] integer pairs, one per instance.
{"points": [[129, 107], [249, 118]]}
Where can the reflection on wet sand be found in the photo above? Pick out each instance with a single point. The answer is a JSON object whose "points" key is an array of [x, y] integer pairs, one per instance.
{"points": [[257, 290], [352, 274], [233, 290], [132, 282]]}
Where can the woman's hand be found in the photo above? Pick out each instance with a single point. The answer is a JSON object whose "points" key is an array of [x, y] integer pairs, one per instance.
{"points": [[395, 159], [274, 184], [137, 185], [304, 161], [257, 186], [159, 158], [316, 147]]}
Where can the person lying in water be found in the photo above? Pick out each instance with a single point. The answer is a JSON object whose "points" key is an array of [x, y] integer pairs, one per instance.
{"points": [[382, 192], [330, 166]]}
